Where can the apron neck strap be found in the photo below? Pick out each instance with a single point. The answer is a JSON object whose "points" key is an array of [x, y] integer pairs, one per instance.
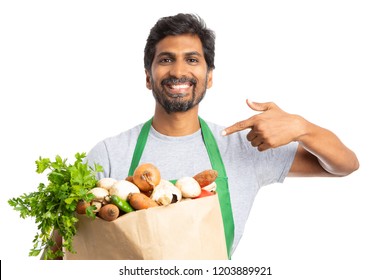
{"points": [[212, 149], [139, 147]]}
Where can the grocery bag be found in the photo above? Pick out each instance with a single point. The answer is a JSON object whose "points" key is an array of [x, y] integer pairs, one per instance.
{"points": [[187, 230]]}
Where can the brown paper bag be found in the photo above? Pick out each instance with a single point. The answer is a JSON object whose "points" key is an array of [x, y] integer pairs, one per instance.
{"points": [[187, 230]]}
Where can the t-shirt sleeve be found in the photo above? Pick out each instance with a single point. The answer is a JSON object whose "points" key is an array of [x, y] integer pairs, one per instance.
{"points": [[273, 165], [99, 155]]}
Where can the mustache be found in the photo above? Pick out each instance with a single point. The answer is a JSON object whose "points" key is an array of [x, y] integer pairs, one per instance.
{"points": [[174, 81]]}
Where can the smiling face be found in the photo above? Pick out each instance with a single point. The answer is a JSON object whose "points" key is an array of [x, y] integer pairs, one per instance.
{"points": [[179, 75]]}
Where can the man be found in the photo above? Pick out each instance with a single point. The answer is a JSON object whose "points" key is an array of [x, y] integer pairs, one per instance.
{"points": [[264, 149]]}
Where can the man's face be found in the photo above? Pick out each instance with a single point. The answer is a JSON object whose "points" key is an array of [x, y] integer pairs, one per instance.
{"points": [[179, 77]]}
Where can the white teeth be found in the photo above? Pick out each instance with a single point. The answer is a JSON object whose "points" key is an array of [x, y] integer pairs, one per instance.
{"points": [[180, 86]]}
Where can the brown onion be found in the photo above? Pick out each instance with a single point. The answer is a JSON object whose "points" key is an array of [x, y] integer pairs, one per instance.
{"points": [[146, 176]]}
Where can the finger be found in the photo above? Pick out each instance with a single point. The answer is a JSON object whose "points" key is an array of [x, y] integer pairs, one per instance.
{"points": [[262, 147], [238, 126], [251, 135], [260, 107], [256, 142]]}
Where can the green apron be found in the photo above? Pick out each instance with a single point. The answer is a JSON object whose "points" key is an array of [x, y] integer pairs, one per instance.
{"points": [[216, 163]]}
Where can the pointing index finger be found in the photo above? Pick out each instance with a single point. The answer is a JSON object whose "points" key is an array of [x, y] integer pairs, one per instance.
{"points": [[238, 126]]}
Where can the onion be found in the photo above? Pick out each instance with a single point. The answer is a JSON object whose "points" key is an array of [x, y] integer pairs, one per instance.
{"points": [[146, 176]]}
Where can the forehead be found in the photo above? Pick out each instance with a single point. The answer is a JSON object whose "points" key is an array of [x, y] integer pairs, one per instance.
{"points": [[178, 44]]}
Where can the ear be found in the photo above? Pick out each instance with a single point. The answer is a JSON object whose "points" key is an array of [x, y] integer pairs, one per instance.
{"points": [[210, 79], [148, 80]]}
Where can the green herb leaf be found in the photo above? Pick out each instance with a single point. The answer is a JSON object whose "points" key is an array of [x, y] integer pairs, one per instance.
{"points": [[53, 204]]}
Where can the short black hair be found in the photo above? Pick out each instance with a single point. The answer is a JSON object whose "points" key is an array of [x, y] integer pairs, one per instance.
{"points": [[177, 25]]}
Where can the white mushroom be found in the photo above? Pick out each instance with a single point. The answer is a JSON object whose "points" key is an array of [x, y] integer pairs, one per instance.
{"points": [[98, 205], [123, 188], [166, 193], [99, 194], [106, 183], [211, 187], [188, 186]]}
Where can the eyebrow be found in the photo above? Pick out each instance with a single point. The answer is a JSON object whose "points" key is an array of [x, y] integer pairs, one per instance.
{"points": [[171, 54]]}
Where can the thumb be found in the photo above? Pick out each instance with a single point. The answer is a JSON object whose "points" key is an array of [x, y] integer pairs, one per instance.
{"points": [[259, 106]]}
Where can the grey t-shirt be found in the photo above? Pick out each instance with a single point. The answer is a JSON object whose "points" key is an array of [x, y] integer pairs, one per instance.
{"points": [[247, 168]]}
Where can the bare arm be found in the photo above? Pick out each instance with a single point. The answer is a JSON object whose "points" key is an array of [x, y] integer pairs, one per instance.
{"points": [[57, 238], [319, 146], [320, 152]]}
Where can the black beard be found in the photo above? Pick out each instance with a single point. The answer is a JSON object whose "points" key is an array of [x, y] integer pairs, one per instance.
{"points": [[175, 103]]}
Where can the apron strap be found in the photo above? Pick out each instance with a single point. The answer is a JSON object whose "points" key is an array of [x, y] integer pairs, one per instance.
{"points": [[222, 184], [216, 163], [139, 147]]}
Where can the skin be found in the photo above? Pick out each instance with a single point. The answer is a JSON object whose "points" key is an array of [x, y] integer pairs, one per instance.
{"points": [[178, 56], [320, 151], [58, 243]]}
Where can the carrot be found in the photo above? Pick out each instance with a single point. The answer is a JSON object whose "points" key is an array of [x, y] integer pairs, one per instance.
{"points": [[140, 201], [206, 177], [82, 206], [109, 212]]}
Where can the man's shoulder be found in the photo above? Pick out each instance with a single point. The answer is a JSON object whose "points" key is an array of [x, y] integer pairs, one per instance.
{"points": [[124, 136], [214, 126]]}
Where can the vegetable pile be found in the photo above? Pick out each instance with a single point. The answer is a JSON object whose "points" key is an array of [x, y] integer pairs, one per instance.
{"points": [[145, 189], [53, 205], [73, 189]]}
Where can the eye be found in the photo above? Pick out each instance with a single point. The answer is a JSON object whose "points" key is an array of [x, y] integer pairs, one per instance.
{"points": [[165, 60], [192, 60]]}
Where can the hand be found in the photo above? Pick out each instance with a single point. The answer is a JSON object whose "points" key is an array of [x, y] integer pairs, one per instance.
{"points": [[269, 129]]}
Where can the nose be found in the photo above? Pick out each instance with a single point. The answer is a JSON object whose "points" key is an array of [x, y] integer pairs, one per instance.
{"points": [[178, 69]]}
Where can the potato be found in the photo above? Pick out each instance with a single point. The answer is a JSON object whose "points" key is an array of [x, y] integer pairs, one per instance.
{"points": [[206, 177]]}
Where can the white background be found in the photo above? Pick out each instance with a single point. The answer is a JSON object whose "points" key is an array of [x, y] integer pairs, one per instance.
{"points": [[71, 74]]}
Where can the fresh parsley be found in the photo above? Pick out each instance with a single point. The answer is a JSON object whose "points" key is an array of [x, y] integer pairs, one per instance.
{"points": [[53, 205]]}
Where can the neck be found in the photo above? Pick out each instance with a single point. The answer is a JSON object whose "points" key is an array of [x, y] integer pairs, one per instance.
{"points": [[176, 124]]}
